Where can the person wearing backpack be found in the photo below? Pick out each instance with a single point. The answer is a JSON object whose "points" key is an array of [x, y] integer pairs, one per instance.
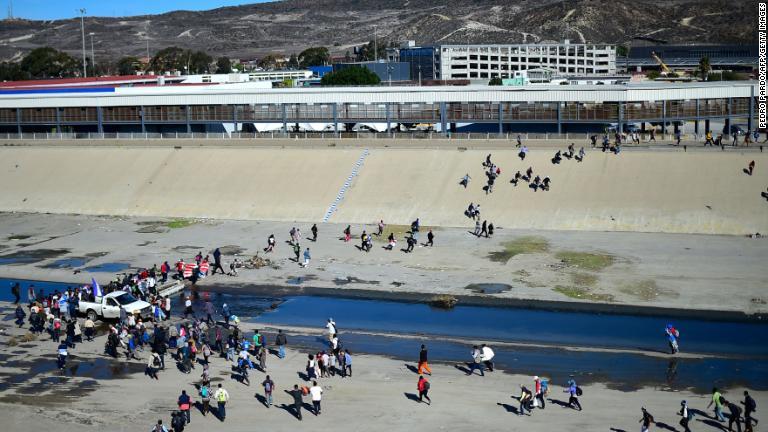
{"points": [[185, 404], [423, 387], [574, 391], [268, 385], [177, 422], [686, 415], [646, 421], [205, 397], [159, 427], [749, 407]]}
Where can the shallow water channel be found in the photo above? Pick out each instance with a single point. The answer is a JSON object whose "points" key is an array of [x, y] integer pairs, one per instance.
{"points": [[733, 353]]}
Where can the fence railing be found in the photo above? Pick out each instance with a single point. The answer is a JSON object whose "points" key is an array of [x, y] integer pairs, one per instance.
{"points": [[511, 136]]}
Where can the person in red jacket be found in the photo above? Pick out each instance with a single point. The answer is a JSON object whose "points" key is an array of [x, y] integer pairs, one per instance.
{"points": [[423, 387]]}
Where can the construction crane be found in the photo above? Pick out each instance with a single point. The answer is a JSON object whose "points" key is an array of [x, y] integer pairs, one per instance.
{"points": [[665, 70]]}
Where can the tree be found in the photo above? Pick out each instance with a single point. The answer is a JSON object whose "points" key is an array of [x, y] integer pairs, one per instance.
{"points": [[354, 75], [293, 62], [199, 62], [704, 67], [495, 81], [315, 56], [269, 62], [223, 65], [12, 72], [622, 51], [128, 65], [47, 62], [169, 59], [653, 74]]}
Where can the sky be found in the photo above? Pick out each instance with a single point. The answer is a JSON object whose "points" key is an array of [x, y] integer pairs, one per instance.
{"points": [[58, 9]]}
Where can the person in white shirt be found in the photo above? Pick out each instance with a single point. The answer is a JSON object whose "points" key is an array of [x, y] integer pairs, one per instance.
{"points": [[487, 357], [317, 394], [331, 326]]}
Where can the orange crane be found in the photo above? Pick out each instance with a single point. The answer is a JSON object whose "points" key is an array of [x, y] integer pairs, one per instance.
{"points": [[665, 70]]}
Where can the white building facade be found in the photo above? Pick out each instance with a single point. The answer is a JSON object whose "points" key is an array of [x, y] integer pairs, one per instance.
{"points": [[483, 62]]}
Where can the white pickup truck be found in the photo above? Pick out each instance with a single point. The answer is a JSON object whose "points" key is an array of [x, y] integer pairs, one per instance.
{"points": [[108, 306]]}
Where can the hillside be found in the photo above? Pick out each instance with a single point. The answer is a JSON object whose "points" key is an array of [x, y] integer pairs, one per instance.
{"points": [[292, 25]]}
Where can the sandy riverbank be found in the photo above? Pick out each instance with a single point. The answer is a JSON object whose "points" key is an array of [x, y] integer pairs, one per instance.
{"points": [[679, 271], [378, 397]]}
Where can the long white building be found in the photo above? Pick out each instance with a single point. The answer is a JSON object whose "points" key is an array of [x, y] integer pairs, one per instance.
{"points": [[490, 61]]}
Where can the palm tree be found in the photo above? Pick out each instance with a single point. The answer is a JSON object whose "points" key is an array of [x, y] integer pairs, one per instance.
{"points": [[704, 67]]}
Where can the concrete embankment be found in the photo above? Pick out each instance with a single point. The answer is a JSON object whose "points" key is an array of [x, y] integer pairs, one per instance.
{"points": [[639, 190]]}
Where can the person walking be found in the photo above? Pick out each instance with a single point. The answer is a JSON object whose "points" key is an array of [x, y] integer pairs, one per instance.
{"points": [[646, 421], [222, 397], [62, 355], [477, 228], [574, 391], [159, 427], [750, 169], [484, 229], [749, 407], [423, 361], [298, 400], [20, 315], [217, 262], [465, 180], [268, 385], [430, 238], [153, 363], [734, 416], [297, 252], [540, 387], [317, 395], [347, 367], [477, 356], [314, 232], [347, 233], [209, 311], [672, 336], [709, 140], [487, 356], [717, 400], [423, 387], [281, 341], [188, 308], [16, 292], [686, 416], [307, 257], [525, 399], [205, 397], [185, 403]]}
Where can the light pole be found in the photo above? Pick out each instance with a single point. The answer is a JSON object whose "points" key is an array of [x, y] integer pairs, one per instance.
{"points": [[93, 57], [82, 30], [375, 43]]}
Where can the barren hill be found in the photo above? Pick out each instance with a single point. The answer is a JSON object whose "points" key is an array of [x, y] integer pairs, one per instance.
{"points": [[292, 25]]}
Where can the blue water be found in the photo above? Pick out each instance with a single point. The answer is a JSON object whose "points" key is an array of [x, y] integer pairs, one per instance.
{"points": [[67, 263], [107, 268], [47, 287], [523, 325], [617, 370]]}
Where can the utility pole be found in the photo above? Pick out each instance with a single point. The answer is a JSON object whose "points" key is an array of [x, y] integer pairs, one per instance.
{"points": [[82, 30], [10, 9], [376, 42], [93, 57], [419, 66]]}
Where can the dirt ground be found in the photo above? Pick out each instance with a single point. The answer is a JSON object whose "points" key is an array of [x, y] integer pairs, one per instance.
{"points": [[683, 271]]}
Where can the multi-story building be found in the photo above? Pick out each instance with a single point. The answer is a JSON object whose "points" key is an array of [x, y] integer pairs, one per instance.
{"points": [[490, 61]]}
